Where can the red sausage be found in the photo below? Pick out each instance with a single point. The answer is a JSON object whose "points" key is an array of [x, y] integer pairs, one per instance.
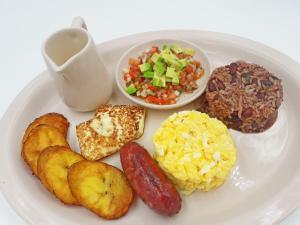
{"points": [[148, 180]]}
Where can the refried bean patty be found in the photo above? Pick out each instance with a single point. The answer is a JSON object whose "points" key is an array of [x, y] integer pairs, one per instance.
{"points": [[245, 96]]}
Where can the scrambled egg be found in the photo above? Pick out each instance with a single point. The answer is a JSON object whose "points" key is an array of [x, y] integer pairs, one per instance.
{"points": [[194, 150]]}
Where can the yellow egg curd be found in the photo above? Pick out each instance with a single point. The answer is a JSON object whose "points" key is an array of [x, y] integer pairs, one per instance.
{"points": [[194, 150]]}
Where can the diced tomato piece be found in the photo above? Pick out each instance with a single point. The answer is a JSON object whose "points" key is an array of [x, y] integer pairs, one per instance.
{"points": [[197, 63], [196, 76], [181, 56], [170, 86], [140, 79], [182, 79], [172, 96], [152, 88], [154, 49], [189, 69], [135, 68], [127, 77], [155, 100], [177, 87], [133, 74], [133, 61]]}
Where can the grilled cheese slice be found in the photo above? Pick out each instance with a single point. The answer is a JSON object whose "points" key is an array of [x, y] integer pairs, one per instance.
{"points": [[109, 130], [137, 113]]}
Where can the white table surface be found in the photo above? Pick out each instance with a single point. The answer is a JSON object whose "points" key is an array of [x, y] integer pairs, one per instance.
{"points": [[25, 24]]}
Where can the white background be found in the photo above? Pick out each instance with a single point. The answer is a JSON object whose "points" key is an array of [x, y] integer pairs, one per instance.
{"points": [[25, 24]]}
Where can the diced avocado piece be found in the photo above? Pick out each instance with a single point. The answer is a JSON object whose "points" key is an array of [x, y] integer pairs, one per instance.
{"points": [[171, 72], [167, 50], [176, 48], [145, 67], [162, 82], [155, 80], [165, 47], [158, 81], [131, 89], [169, 79], [159, 67], [155, 57], [148, 74], [183, 63], [171, 59], [189, 51], [175, 80]]}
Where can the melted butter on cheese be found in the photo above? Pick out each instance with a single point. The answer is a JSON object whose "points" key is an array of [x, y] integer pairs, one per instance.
{"points": [[103, 125]]}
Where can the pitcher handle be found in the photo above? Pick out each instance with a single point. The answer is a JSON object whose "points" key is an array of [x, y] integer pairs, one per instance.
{"points": [[78, 22]]}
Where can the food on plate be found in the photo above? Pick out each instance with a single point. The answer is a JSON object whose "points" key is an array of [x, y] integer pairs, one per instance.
{"points": [[148, 180], [40, 138], [101, 188], [111, 127], [194, 150], [161, 75], [53, 119], [53, 165], [137, 113], [245, 96]]}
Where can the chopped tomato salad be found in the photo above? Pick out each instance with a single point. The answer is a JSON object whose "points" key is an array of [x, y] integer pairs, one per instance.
{"points": [[160, 76]]}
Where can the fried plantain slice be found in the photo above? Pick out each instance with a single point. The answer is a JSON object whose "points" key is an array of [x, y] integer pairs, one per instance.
{"points": [[53, 119], [101, 188], [40, 138], [52, 167]]}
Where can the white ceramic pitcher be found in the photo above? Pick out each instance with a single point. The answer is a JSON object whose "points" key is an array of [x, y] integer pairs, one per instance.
{"points": [[78, 71]]}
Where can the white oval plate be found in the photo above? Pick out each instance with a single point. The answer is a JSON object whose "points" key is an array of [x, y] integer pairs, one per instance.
{"points": [[263, 187]]}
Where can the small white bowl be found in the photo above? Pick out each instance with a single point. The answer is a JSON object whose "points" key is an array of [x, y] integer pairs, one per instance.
{"points": [[185, 98]]}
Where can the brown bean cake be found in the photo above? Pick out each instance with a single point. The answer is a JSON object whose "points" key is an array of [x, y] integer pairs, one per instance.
{"points": [[245, 96]]}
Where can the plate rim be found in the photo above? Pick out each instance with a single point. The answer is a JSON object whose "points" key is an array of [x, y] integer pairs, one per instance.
{"points": [[9, 113]]}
